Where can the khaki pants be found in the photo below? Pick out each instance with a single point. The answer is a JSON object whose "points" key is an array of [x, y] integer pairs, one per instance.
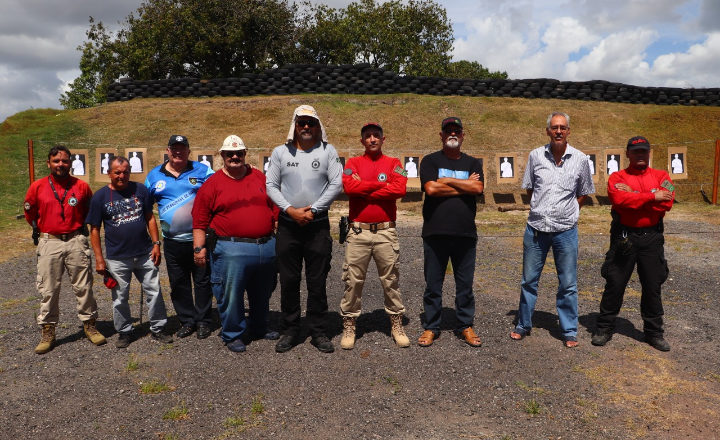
{"points": [[384, 247], [55, 257]]}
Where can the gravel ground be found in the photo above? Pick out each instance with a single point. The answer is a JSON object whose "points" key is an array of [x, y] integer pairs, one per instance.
{"points": [[530, 389]]}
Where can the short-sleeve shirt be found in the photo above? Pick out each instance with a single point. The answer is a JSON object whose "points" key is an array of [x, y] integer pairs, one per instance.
{"points": [[175, 197], [123, 216], [553, 205], [454, 215]]}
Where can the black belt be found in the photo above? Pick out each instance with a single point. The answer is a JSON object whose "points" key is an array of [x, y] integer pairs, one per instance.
{"points": [[630, 230], [261, 240]]}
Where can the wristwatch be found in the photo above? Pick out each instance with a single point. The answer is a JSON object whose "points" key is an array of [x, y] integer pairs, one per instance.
{"points": [[197, 249], [314, 211], [156, 242]]}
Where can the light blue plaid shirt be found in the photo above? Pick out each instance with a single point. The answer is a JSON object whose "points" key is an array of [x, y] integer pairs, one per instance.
{"points": [[553, 206]]}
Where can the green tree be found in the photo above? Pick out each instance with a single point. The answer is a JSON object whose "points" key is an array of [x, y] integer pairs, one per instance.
{"points": [[413, 38], [471, 70], [184, 38]]}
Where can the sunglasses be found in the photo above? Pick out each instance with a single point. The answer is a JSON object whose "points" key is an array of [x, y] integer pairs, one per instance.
{"points": [[239, 153], [306, 122], [450, 130]]}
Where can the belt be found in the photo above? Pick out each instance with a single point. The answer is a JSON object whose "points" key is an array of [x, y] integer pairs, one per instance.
{"points": [[642, 230], [373, 227], [261, 240], [63, 237]]}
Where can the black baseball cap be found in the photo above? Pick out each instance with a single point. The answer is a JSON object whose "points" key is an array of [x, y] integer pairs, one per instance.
{"points": [[178, 139], [451, 120], [638, 143], [371, 124]]}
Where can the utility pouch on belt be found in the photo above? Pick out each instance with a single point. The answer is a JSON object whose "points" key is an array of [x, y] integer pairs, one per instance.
{"points": [[344, 227], [210, 239], [623, 245]]}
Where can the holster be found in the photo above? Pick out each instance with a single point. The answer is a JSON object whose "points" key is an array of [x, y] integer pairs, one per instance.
{"points": [[344, 228], [35, 233], [210, 239]]}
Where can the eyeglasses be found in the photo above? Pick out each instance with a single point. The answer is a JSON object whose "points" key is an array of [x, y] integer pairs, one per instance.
{"points": [[239, 153], [451, 130], [306, 122], [559, 128]]}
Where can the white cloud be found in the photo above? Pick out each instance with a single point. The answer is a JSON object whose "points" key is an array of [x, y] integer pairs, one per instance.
{"points": [[697, 67]]}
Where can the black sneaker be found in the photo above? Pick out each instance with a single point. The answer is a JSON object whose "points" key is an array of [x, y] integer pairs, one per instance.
{"points": [[658, 343], [323, 344], [285, 343], [124, 339], [162, 337], [203, 331], [185, 331], [600, 338]]}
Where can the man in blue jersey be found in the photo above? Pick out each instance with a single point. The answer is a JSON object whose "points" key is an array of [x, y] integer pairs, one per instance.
{"points": [[173, 186]]}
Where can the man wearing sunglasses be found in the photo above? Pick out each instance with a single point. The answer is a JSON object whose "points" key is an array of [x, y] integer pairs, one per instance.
{"points": [[304, 177], [451, 181]]}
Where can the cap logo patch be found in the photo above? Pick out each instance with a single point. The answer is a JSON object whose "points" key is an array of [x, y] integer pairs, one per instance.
{"points": [[179, 139]]}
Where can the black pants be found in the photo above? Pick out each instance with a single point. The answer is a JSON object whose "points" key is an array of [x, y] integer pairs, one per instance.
{"points": [[183, 273], [295, 244], [645, 249]]}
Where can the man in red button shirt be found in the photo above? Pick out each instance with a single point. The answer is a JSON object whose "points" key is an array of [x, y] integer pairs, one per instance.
{"points": [[373, 183], [57, 205], [640, 198]]}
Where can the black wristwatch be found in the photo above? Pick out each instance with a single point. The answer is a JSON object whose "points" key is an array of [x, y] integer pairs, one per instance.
{"points": [[197, 249], [314, 211]]}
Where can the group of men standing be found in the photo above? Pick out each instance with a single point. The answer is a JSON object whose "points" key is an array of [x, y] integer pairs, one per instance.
{"points": [[235, 230]]}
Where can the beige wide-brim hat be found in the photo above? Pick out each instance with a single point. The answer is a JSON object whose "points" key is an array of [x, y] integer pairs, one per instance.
{"points": [[233, 143], [305, 110]]}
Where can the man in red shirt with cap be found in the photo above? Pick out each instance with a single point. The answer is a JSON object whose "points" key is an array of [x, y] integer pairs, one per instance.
{"points": [[640, 198], [57, 206], [373, 183]]}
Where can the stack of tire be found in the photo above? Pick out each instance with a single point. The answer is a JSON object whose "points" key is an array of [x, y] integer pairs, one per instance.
{"points": [[364, 79]]}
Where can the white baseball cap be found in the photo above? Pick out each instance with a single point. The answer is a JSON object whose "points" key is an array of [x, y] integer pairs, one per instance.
{"points": [[233, 143]]}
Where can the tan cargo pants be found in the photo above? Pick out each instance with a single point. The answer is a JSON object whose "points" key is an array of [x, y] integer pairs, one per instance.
{"points": [[384, 247], [55, 257]]}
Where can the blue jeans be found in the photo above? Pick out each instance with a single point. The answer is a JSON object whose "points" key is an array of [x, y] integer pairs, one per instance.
{"points": [[461, 252], [237, 267], [536, 245], [149, 276]]}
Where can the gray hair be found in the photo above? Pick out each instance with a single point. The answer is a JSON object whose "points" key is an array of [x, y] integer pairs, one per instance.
{"points": [[553, 114]]}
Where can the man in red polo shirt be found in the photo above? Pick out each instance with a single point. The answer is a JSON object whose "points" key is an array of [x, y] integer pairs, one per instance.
{"points": [[640, 198], [57, 205], [373, 183]]}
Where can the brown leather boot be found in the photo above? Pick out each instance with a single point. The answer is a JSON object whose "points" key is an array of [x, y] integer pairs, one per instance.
{"points": [[348, 337], [92, 332], [47, 340], [398, 331]]}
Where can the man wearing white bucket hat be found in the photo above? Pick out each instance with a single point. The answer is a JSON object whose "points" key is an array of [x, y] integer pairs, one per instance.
{"points": [[303, 179], [233, 222]]}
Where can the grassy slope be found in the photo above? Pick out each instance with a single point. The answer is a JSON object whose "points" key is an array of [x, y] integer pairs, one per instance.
{"points": [[411, 125]]}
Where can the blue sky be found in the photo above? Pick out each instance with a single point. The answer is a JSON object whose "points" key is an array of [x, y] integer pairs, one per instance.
{"points": [[643, 42]]}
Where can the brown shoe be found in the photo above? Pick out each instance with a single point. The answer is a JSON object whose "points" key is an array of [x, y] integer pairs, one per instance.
{"points": [[47, 340], [398, 332], [469, 336], [427, 338], [92, 332], [348, 337]]}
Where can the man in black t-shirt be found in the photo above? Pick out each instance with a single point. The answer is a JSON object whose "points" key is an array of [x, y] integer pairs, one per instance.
{"points": [[451, 181]]}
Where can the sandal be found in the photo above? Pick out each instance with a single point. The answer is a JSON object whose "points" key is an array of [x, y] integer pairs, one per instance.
{"points": [[519, 334]]}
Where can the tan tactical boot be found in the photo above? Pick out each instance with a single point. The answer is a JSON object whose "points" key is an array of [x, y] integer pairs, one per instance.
{"points": [[348, 337], [398, 332], [92, 333], [48, 339]]}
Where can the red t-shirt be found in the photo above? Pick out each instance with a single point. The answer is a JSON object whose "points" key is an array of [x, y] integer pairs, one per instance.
{"points": [[373, 198], [42, 206], [639, 209], [235, 208]]}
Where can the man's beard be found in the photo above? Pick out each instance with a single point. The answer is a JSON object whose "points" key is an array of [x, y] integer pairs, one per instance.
{"points": [[452, 143]]}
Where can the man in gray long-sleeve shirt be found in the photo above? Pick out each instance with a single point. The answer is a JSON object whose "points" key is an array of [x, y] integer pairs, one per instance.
{"points": [[303, 178]]}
